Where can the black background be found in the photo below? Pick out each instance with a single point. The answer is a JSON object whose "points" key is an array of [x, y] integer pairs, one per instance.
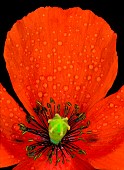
{"points": [[112, 12]]}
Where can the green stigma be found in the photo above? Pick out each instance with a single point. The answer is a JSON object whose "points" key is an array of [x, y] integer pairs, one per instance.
{"points": [[58, 127]]}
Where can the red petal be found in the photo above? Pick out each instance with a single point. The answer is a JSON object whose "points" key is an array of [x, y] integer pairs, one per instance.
{"points": [[107, 125], [69, 55], [79, 164], [42, 164], [112, 161], [6, 158], [11, 137]]}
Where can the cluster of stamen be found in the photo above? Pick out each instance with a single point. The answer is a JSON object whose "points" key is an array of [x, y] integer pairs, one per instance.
{"points": [[44, 126]]}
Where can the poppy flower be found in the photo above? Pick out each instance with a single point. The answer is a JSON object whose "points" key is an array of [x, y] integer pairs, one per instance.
{"points": [[61, 64]]}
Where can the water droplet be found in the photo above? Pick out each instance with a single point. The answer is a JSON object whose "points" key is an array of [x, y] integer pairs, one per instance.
{"points": [[31, 58], [116, 117], [28, 88], [37, 81], [60, 43], [111, 104], [6, 124], [98, 79], [118, 97], [15, 127], [17, 45], [36, 50], [49, 78], [54, 87], [65, 34], [8, 101], [96, 69], [88, 77], [54, 50], [11, 115], [27, 68], [95, 35], [76, 76], [104, 124], [45, 85], [85, 24], [59, 68], [87, 96], [41, 77], [92, 46], [40, 94], [91, 66], [44, 43], [59, 61], [64, 67], [65, 88], [77, 88]]}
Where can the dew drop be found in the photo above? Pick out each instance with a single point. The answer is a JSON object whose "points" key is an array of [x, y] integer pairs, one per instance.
{"points": [[92, 46], [8, 101], [118, 97], [37, 81], [85, 24], [91, 66], [65, 88], [45, 85], [11, 115], [44, 43], [6, 124], [98, 79], [60, 43], [96, 69], [49, 78], [59, 68], [64, 67], [104, 124], [15, 127], [48, 55], [27, 68], [31, 58], [54, 87], [87, 96], [40, 94], [111, 105], [76, 77], [88, 77], [116, 117], [28, 88], [77, 88]]}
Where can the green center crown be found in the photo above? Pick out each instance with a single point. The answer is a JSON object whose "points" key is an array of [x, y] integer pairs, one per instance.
{"points": [[58, 127]]}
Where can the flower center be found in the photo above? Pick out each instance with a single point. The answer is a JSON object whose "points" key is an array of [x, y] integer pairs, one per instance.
{"points": [[57, 130], [58, 127]]}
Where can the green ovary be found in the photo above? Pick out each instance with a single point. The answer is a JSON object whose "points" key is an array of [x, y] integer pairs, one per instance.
{"points": [[58, 127]]}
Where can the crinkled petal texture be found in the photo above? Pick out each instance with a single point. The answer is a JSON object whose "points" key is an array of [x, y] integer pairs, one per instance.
{"points": [[69, 55], [105, 145]]}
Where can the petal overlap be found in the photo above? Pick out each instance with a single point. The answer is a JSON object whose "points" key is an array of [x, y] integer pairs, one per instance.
{"points": [[112, 161], [107, 125]]}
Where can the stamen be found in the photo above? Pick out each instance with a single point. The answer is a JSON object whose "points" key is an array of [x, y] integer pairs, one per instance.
{"points": [[57, 134]]}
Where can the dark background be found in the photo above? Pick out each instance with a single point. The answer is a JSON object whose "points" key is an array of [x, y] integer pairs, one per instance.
{"points": [[112, 12]]}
